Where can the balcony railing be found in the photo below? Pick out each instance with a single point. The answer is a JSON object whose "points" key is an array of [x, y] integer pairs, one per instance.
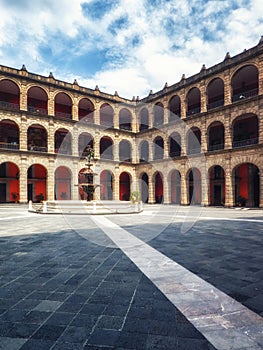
{"points": [[217, 147], [63, 115], [37, 148], [37, 110], [245, 142], [9, 105], [9, 145], [215, 104], [193, 111], [194, 150], [174, 154], [242, 95], [63, 151]]}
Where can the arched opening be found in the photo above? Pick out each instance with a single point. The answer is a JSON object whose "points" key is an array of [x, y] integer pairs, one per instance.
{"points": [[216, 136], [245, 131], [125, 151], [106, 115], [36, 183], [193, 101], [9, 95], [9, 183], [174, 145], [106, 185], [62, 183], [9, 134], [158, 187], [175, 187], [125, 119], [85, 143], [174, 108], [125, 186], [144, 151], [194, 141], [158, 114], [37, 138], [144, 187], [245, 83], [194, 186], [106, 148], [144, 119], [63, 106], [247, 190], [37, 100], [63, 142], [158, 148], [217, 186], [86, 110], [215, 93]]}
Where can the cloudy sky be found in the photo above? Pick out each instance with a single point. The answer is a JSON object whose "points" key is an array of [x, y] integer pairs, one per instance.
{"points": [[131, 46]]}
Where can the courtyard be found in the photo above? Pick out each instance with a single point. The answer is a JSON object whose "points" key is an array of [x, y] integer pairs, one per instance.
{"points": [[170, 277]]}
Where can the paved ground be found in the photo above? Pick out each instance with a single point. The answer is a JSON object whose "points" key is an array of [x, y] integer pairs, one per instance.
{"points": [[65, 284]]}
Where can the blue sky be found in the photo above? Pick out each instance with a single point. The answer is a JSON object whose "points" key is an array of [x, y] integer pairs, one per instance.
{"points": [[129, 46]]}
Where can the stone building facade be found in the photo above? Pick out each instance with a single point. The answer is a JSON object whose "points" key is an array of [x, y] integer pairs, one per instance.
{"points": [[199, 141]]}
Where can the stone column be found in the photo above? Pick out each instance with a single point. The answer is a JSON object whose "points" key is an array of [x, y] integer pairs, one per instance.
{"points": [[151, 198], [51, 180], [75, 142], [260, 122], [96, 145], [23, 134], [116, 123], [166, 191], [75, 180], [51, 103], [183, 104], [203, 102], [205, 186], [116, 185], [166, 147], [96, 114], [75, 109], [227, 88], [203, 137], [23, 97], [23, 180], [229, 190], [228, 132], [261, 188], [166, 115], [51, 137], [184, 190]]}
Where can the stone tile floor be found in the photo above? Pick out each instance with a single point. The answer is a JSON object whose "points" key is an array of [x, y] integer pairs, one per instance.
{"points": [[61, 290]]}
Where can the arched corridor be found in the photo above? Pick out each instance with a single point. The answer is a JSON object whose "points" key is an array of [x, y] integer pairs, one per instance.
{"points": [[246, 180], [37, 183], [9, 182]]}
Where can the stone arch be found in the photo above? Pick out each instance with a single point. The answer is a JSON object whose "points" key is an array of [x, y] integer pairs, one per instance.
{"points": [[63, 141], [9, 94], [144, 151], [217, 189], [174, 107], [246, 185], [244, 82], [106, 185], [174, 179], [63, 105], [106, 148], [9, 134], [37, 100], [63, 178], [106, 115], [144, 119], [144, 186], [158, 114], [215, 93], [9, 183], [193, 101], [125, 119], [37, 138], [194, 185], [86, 110], [37, 182], [125, 186], [125, 151], [216, 136]]}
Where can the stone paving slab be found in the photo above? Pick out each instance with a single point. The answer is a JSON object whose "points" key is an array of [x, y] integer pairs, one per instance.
{"points": [[96, 298]]}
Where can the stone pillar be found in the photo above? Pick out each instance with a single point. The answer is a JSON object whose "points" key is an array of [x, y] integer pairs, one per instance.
{"points": [[228, 132], [96, 114], [151, 198], [96, 145], [166, 115], [151, 146], [166, 147], [51, 103], [184, 190], [51, 180], [150, 110], [75, 142], [260, 122], [229, 190], [134, 151], [23, 180], [260, 73], [203, 102], [203, 137], [205, 187], [183, 104], [227, 88], [23, 97], [23, 134], [75, 109], [261, 188], [183, 134], [116, 185], [51, 137], [116, 123], [75, 180], [166, 191]]}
